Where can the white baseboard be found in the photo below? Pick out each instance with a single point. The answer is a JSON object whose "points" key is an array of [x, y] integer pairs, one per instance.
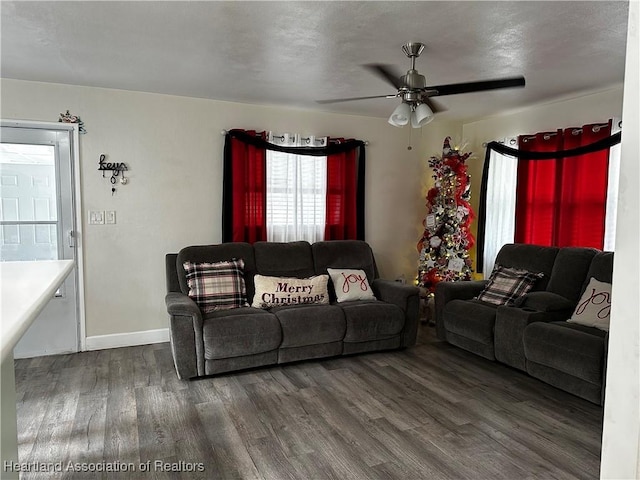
{"points": [[17, 354], [131, 339]]}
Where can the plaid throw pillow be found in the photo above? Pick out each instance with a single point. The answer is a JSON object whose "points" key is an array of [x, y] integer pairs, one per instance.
{"points": [[506, 284], [217, 286]]}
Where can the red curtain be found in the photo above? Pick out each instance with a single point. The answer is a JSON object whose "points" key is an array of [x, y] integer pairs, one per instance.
{"points": [[341, 212], [561, 202], [248, 182]]}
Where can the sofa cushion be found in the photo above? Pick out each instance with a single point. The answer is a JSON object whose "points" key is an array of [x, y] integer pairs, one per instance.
{"points": [[284, 259], [304, 325], [569, 271], [350, 284], [507, 284], [239, 332], [368, 320], [533, 258], [594, 307], [567, 347], [601, 268], [274, 291], [216, 286], [344, 254], [472, 319]]}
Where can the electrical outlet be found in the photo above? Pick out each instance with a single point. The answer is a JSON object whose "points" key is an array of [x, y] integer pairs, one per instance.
{"points": [[96, 217], [110, 217]]}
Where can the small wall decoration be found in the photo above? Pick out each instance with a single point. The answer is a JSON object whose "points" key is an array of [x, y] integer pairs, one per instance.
{"points": [[116, 169], [446, 241], [70, 118]]}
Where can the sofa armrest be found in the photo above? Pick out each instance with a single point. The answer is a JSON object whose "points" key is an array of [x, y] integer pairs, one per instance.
{"points": [[447, 291], [181, 304], [509, 328], [185, 335], [604, 368], [394, 292], [545, 302], [407, 297]]}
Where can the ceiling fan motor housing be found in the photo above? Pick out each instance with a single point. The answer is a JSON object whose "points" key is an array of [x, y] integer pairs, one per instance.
{"points": [[413, 80]]}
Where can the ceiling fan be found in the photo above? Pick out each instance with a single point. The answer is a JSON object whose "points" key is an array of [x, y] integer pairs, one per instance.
{"points": [[417, 105]]}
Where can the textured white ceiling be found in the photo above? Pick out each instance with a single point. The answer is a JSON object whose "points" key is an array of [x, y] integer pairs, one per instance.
{"points": [[292, 53]]}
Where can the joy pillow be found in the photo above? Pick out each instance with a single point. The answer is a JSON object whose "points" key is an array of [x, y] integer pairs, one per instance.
{"points": [[350, 284], [594, 307]]}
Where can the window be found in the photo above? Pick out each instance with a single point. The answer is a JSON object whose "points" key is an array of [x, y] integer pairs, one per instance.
{"points": [[296, 191], [564, 201], [29, 223], [296, 197], [286, 188], [561, 201]]}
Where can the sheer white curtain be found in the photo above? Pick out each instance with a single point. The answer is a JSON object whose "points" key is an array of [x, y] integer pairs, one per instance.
{"points": [[612, 190], [296, 191], [501, 206]]}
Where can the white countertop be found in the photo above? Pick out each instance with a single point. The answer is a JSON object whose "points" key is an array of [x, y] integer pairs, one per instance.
{"points": [[25, 289]]}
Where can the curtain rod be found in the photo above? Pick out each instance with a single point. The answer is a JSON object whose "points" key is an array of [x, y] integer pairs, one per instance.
{"points": [[575, 132], [224, 132]]}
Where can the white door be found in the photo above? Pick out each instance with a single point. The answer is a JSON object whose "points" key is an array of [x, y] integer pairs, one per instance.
{"points": [[37, 223]]}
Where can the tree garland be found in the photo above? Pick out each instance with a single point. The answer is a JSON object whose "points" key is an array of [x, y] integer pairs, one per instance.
{"points": [[446, 241]]}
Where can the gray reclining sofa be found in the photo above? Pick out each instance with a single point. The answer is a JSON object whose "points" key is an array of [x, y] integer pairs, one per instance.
{"points": [[246, 337], [533, 335]]}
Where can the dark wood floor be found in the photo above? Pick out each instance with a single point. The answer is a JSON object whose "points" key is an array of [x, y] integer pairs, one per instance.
{"points": [[429, 412]]}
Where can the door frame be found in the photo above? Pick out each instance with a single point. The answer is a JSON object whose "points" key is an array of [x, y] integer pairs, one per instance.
{"points": [[76, 172]]}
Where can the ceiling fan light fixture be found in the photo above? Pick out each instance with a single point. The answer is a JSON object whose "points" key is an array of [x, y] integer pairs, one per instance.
{"points": [[421, 115], [400, 115]]}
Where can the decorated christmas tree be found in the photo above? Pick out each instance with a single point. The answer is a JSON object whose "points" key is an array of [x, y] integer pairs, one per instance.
{"points": [[446, 241]]}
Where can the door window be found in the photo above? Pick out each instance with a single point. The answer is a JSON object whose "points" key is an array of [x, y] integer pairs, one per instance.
{"points": [[30, 228]]}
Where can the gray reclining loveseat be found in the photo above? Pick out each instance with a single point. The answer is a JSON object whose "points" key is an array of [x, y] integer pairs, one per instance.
{"points": [[246, 337], [533, 335]]}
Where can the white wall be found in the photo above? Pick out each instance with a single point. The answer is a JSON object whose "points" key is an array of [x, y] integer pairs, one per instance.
{"points": [[173, 148], [621, 435]]}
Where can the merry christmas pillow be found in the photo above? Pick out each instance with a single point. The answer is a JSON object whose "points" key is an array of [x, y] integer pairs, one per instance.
{"points": [[283, 291], [594, 307], [350, 284]]}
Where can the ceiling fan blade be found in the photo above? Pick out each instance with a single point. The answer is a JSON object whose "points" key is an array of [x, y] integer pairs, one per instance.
{"points": [[336, 100], [468, 87], [387, 73]]}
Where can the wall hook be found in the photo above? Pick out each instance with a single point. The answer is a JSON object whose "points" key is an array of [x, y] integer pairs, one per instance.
{"points": [[116, 169]]}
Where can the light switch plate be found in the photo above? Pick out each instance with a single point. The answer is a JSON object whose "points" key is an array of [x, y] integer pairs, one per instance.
{"points": [[110, 217], [96, 217]]}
